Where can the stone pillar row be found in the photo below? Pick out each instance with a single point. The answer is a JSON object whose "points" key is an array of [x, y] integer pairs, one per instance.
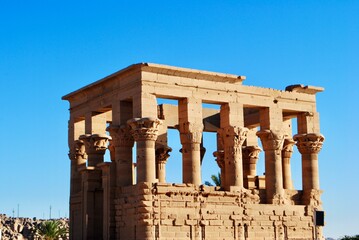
{"points": [[150, 162], [278, 148]]}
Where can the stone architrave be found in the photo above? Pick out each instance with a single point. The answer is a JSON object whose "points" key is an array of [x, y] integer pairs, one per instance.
{"points": [[233, 139], [191, 137], [309, 145], [122, 142], [287, 152], [272, 142], [162, 154], [145, 132]]}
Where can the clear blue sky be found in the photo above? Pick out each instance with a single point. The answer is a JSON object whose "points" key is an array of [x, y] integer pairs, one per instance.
{"points": [[50, 48]]}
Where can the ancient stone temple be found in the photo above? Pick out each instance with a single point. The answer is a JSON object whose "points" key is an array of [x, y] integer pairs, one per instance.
{"points": [[128, 198]]}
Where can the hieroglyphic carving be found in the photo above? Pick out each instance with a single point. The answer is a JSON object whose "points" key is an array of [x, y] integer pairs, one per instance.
{"points": [[144, 129], [309, 143]]}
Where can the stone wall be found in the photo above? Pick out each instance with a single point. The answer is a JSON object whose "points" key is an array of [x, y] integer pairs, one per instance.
{"points": [[21, 228], [186, 211]]}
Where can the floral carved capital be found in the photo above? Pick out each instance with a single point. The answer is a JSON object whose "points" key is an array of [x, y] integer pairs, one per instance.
{"points": [[251, 153], [78, 151], [233, 135], [190, 132], [271, 139], [121, 135], [162, 154], [95, 143], [309, 143], [288, 147], [144, 129]]}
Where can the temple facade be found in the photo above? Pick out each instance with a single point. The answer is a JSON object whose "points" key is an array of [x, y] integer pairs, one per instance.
{"points": [[128, 198]]}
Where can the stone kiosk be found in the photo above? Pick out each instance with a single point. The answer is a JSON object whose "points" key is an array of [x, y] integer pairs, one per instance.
{"points": [[126, 200]]}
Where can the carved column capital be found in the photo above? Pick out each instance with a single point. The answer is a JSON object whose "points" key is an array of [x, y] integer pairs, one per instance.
{"points": [[271, 139], [144, 129], [309, 143], [233, 135], [78, 151], [251, 153], [121, 135], [219, 158], [190, 132], [162, 154], [95, 143], [288, 147]]}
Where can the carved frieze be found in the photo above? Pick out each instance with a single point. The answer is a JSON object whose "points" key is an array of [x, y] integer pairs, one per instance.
{"points": [[309, 143], [144, 129]]}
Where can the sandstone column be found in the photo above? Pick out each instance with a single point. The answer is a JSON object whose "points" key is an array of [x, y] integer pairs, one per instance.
{"points": [[272, 142], [145, 131], [96, 145], [286, 155], [108, 198], [122, 141], [161, 160], [190, 127], [233, 138], [250, 158], [219, 154], [78, 158], [309, 145], [191, 135], [233, 133]]}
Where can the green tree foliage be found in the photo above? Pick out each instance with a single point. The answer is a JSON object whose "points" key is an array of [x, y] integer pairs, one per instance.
{"points": [[52, 230], [216, 180]]}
